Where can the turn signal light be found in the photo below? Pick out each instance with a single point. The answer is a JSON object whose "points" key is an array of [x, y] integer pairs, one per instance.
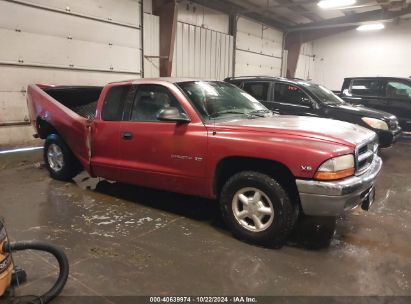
{"points": [[334, 175]]}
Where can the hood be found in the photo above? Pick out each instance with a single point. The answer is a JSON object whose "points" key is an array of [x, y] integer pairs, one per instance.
{"points": [[310, 127], [360, 110]]}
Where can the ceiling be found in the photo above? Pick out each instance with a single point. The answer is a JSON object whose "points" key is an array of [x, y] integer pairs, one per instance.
{"points": [[293, 15]]}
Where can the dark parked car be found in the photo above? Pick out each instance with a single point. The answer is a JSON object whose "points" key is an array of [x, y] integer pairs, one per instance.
{"points": [[391, 94], [300, 97]]}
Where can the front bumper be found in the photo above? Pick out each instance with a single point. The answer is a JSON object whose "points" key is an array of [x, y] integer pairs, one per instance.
{"points": [[387, 138], [333, 198]]}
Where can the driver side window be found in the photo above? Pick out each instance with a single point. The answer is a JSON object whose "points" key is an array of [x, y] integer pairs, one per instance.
{"points": [[289, 93], [149, 100]]}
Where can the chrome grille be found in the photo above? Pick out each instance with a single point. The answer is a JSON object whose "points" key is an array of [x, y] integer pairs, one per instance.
{"points": [[364, 155]]}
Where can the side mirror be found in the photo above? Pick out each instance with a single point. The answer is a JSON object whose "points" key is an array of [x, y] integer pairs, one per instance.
{"points": [[172, 114], [309, 102], [306, 101]]}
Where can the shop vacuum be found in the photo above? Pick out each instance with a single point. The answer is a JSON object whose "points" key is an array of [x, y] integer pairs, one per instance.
{"points": [[12, 276]]}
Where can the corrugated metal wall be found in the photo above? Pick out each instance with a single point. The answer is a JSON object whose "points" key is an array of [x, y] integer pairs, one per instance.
{"points": [[203, 47], [258, 49], [202, 53], [62, 42]]}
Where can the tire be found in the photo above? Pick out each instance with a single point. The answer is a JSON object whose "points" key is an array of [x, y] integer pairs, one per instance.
{"points": [[60, 161], [274, 228]]}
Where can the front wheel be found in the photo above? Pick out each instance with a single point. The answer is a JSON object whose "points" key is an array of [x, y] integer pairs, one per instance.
{"points": [[60, 161], [257, 209]]}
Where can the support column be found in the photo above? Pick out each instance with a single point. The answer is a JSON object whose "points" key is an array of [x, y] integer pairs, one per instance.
{"points": [[233, 21], [293, 46], [167, 11]]}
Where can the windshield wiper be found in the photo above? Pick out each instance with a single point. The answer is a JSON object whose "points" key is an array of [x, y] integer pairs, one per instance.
{"points": [[216, 114], [259, 113], [333, 102]]}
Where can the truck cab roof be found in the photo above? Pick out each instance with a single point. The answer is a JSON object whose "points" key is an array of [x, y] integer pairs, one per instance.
{"points": [[266, 78], [160, 79], [379, 77]]}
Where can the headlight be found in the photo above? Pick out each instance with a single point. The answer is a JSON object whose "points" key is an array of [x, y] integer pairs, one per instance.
{"points": [[336, 168], [375, 123]]}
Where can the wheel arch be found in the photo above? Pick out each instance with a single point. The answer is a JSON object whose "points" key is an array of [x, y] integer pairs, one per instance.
{"points": [[229, 166], [44, 128]]}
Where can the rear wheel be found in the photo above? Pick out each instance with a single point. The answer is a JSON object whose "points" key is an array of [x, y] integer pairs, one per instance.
{"points": [[257, 209], [60, 161]]}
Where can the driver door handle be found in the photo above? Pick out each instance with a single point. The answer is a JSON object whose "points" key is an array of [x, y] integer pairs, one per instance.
{"points": [[127, 135]]}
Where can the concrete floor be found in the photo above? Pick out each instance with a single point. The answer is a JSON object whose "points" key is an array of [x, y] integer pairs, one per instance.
{"points": [[125, 240]]}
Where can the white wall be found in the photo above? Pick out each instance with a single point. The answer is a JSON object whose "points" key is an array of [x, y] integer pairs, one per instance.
{"points": [[353, 53], [258, 49]]}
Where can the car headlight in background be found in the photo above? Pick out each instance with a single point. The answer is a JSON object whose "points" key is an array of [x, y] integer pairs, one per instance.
{"points": [[336, 168], [375, 123]]}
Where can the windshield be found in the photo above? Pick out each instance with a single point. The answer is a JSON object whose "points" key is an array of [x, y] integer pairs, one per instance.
{"points": [[323, 94], [215, 99]]}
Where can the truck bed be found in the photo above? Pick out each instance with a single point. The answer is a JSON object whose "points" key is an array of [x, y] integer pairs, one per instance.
{"points": [[80, 99], [66, 109]]}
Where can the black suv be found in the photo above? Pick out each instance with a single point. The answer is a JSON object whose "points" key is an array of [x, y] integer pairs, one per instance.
{"points": [[391, 94], [300, 97]]}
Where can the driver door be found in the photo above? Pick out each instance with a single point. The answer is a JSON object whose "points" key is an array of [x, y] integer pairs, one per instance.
{"points": [[166, 155]]}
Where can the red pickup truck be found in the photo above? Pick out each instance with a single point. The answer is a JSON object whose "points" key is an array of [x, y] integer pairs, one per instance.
{"points": [[209, 139]]}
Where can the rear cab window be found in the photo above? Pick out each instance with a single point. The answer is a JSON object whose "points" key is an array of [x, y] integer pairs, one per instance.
{"points": [[365, 87]]}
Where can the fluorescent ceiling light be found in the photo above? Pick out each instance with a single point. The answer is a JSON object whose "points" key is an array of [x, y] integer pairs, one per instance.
{"points": [[371, 27], [335, 3]]}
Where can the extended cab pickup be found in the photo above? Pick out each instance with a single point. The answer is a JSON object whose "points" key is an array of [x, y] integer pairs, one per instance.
{"points": [[209, 139]]}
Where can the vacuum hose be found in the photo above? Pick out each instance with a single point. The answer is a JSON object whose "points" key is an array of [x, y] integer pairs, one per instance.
{"points": [[56, 252]]}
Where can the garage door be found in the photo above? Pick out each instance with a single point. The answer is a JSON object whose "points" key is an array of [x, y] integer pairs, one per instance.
{"points": [[63, 42], [258, 49]]}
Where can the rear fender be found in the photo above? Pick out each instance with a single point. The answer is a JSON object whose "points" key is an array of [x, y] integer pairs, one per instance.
{"points": [[73, 128]]}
